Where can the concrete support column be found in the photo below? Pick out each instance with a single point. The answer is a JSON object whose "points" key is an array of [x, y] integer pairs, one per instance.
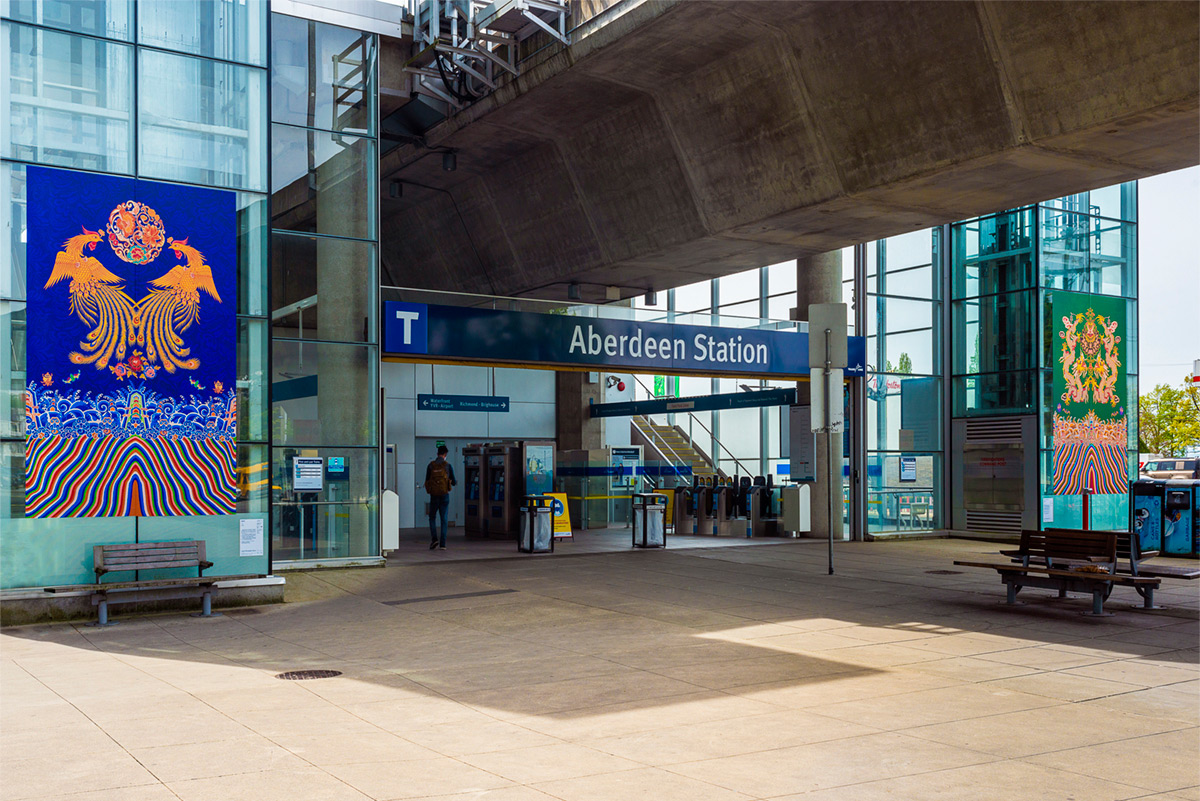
{"points": [[819, 280], [574, 427]]}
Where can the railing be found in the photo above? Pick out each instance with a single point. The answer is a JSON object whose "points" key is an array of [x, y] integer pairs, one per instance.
{"points": [[656, 440], [693, 417]]}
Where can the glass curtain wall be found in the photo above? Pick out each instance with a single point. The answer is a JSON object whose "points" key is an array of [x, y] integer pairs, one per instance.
{"points": [[1087, 243], [324, 209], [904, 388], [169, 90]]}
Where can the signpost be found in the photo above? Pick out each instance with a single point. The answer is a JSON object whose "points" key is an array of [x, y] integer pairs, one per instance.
{"points": [[462, 403], [827, 347]]}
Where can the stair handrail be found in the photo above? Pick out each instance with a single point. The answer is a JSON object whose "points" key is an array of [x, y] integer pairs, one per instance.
{"points": [[710, 433], [654, 435]]}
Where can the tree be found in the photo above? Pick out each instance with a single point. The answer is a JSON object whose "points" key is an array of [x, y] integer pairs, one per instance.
{"points": [[1169, 419], [905, 367]]}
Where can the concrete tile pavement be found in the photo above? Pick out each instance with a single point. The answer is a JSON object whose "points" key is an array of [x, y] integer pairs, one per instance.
{"points": [[725, 673]]}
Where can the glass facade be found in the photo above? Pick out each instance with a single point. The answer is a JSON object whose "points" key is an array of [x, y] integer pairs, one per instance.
{"points": [[323, 219], [904, 386], [85, 90], [1005, 270]]}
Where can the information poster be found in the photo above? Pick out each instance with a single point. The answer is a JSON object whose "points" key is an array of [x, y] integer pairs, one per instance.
{"points": [[1091, 427], [561, 514]]}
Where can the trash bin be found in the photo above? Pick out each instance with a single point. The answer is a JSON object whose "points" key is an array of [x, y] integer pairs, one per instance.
{"points": [[537, 525], [1147, 501], [649, 520]]}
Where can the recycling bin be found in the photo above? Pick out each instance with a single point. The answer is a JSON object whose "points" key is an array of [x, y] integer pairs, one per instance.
{"points": [[1146, 500], [537, 525], [649, 520], [1178, 535]]}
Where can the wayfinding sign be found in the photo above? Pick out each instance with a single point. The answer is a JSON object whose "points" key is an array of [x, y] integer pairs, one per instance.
{"points": [[462, 403], [456, 333]]}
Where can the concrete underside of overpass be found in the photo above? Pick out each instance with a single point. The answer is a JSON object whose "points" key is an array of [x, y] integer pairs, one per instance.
{"points": [[684, 140]]}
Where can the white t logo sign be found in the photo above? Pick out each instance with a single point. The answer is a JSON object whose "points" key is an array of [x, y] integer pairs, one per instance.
{"points": [[408, 318]]}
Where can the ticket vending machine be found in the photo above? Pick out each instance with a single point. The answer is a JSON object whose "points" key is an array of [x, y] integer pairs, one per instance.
{"points": [[1178, 538], [474, 484], [1146, 500], [503, 501]]}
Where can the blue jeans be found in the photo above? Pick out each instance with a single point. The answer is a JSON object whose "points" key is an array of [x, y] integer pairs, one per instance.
{"points": [[438, 503]]}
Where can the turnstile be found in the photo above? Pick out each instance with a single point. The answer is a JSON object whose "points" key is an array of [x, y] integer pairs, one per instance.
{"points": [[683, 511]]}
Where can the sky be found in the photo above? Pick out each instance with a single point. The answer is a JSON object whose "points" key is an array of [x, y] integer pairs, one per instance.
{"points": [[1169, 277]]}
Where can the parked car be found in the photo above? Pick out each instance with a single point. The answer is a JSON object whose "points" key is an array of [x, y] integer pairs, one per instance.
{"points": [[1171, 468]]}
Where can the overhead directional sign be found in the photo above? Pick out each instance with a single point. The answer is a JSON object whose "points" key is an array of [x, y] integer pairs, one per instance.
{"points": [[462, 403], [702, 403], [420, 332]]}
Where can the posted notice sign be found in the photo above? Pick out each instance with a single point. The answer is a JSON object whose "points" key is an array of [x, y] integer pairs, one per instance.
{"points": [[561, 515]]}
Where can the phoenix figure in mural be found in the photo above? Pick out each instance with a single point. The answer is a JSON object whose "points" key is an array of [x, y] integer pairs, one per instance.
{"points": [[98, 299], [173, 306]]}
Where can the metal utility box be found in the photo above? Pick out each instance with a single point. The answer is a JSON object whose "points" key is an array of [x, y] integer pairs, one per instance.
{"points": [[1178, 538], [474, 486], [796, 508], [504, 491], [1146, 501]]}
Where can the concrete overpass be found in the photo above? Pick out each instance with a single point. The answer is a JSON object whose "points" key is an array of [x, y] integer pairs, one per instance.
{"points": [[675, 141]]}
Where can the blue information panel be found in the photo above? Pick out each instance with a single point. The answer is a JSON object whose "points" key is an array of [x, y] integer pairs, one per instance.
{"points": [[462, 403], [487, 335]]}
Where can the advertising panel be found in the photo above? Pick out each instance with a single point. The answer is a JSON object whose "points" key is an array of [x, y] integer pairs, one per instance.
{"points": [[1091, 427], [132, 347]]}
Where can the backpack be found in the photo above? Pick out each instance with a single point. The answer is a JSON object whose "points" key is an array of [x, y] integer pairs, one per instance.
{"points": [[438, 482]]}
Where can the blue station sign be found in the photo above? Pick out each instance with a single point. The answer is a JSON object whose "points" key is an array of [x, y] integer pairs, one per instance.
{"points": [[462, 403], [417, 331]]}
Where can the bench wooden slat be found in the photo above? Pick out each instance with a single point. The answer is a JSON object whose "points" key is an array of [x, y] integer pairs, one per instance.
{"points": [[118, 585], [1085, 575], [134, 546], [153, 564], [157, 556]]}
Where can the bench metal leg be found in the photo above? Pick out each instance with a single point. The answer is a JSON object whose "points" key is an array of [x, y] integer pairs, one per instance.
{"points": [[1147, 594], [1098, 604], [1012, 593], [102, 611], [206, 606]]}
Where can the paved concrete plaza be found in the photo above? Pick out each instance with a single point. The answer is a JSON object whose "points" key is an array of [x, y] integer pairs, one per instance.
{"points": [[723, 673]]}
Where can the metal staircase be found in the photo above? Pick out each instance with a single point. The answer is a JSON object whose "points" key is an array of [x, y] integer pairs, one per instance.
{"points": [[672, 444]]}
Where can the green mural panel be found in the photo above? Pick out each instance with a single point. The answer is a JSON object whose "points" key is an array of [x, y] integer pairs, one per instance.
{"points": [[1091, 425]]}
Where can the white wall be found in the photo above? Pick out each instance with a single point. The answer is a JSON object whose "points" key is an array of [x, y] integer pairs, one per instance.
{"points": [[617, 429], [415, 433]]}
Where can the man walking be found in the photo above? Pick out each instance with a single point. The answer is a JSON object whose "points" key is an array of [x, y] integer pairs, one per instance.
{"points": [[439, 478]]}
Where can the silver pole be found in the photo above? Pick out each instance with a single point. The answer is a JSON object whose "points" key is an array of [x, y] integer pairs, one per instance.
{"points": [[834, 474]]}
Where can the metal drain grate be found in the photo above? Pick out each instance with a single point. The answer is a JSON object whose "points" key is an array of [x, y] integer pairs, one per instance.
{"points": [[945, 572], [305, 675]]}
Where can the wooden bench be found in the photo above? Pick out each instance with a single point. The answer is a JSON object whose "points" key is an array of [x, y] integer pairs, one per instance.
{"points": [[130, 557], [1131, 559], [1068, 561]]}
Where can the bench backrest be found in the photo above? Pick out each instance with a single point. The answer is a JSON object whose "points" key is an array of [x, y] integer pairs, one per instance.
{"points": [[1061, 543], [149, 556]]}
